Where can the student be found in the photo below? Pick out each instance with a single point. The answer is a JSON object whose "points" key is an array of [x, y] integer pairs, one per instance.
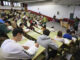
{"points": [[43, 27], [67, 35], [31, 26], [74, 35], [2, 18], [59, 37], [3, 28], [14, 50], [9, 26], [22, 27], [46, 42]]}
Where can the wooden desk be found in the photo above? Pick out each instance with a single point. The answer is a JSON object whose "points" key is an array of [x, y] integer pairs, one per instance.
{"points": [[18, 22], [64, 24], [33, 34], [38, 30], [53, 34]]}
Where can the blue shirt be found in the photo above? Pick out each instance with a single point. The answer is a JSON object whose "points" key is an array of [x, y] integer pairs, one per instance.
{"points": [[1, 21], [68, 36]]}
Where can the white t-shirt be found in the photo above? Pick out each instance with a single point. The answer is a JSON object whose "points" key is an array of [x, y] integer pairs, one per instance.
{"points": [[15, 50]]}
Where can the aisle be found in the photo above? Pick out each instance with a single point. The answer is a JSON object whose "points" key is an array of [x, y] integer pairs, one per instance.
{"points": [[56, 25]]}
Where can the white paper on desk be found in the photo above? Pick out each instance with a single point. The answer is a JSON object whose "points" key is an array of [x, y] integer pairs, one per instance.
{"points": [[39, 30], [32, 49], [29, 43], [52, 30], [66, 41], [26, 30], [74, 39]]}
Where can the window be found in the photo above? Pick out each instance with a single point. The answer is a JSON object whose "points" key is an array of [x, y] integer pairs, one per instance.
{"points": [[6, 3], [17, 4]]}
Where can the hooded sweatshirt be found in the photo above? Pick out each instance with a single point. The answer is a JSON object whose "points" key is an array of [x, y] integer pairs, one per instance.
{"points": [[46, 42]]}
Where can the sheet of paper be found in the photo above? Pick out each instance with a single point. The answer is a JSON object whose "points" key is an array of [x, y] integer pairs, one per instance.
{"points": [[26, 30], [66, 41], [39, 30], [29, 43], [74, 39]]}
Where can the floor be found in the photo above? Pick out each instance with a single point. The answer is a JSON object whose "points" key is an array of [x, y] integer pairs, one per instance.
{"points": [[56, 25]]}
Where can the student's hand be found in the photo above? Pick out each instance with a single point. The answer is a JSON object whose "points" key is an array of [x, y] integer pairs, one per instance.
{"points": [[26, 47], [37, 45], [53, 40]]}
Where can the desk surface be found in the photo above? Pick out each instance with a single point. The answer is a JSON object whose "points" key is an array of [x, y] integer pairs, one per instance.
{"points": [[33, 34], [38, 30]]}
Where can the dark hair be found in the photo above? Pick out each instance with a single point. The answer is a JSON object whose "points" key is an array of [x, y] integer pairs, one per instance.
{"points": [[52, 27], [68, 31], [8, 22], [72, 32], [3, 15], [21, 24], [16, 31], [59, 33], [46, 32], [44, 26], [31, 24]]}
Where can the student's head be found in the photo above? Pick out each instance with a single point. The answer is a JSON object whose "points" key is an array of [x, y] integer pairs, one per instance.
{"points": [[52, 27], [21, 25], [72, 32], [46, 32], [31, 25], [7, 23], [44, 26], [17, 34], [59, 34], [3, 15], [68, 31]]}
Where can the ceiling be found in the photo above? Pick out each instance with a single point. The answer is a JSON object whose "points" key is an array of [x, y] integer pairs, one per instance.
{"points": [[65, 2]]}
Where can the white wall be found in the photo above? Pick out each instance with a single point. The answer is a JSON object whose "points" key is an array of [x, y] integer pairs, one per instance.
{"points": [[9, 7], [77, 11], [51, 10]]}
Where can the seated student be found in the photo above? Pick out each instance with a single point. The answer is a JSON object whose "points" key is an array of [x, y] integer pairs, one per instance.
{"points": [[3, 29], [14, 50], [32, 27], [22, 27], [59, 37], [43, 27], [35, 23], [67, 35], [2, 18], [9, 26], [46, 42], [74, 37]]}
